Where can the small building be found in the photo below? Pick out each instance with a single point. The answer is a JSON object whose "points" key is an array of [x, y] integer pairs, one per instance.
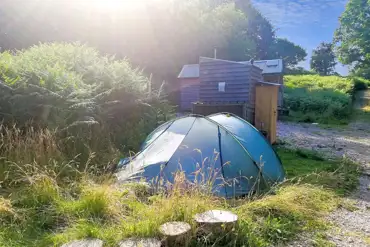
{"points": [[189, 86], [195, 76]]}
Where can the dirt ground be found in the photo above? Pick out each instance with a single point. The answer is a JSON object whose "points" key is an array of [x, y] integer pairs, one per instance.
{"points": [[351, 228]]}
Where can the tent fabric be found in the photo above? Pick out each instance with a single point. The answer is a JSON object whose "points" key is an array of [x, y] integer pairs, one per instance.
{"points": [[222, 150]]}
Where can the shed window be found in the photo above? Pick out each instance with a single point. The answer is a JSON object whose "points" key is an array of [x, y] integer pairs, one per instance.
{"points": [[221, 86]]}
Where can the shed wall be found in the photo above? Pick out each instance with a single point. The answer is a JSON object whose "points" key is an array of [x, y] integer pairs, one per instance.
{"points": [[189, 93], [237, 78]]}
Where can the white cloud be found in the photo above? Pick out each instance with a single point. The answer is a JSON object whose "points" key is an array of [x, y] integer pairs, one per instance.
{"points": [[293, 13]]}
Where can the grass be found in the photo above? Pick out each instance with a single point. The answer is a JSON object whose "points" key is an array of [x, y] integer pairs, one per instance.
{"points": [[322, 99], [306, 166], [46, 209]]}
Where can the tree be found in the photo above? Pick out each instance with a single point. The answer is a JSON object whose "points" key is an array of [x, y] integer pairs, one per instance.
{"points": [[259, 29], [291, 53], [353, 35], [323, 59], [298, 71]]}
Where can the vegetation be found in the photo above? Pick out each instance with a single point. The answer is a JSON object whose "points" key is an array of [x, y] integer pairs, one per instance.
{"points": [[313, 98], [291, 53], [360, 83], [235, 28], [323, 59], [353, 36], [93, 101], [338, 175], [69, 112], [298, 71], [49, 202]]}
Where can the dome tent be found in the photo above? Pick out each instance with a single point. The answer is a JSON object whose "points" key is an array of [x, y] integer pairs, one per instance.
{"points": [[225, 149]]}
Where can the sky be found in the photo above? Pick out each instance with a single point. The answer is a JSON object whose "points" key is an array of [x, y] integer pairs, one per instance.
{"points": [[304, 22]]}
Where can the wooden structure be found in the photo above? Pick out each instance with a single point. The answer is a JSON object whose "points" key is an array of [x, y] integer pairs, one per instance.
{"points": [[144, 242], [188, 81], [266, 111], [175, 233], [191, 75], [207, 109], [85, 243], [216, 222], [228, 85], [272, 71]]}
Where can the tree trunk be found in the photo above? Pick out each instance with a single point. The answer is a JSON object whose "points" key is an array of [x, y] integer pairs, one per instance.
{"points": [[175, 233], [145, 242]]}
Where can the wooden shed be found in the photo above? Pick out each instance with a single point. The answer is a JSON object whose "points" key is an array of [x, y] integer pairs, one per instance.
{"points": [[272, 71], [189, 86], [228, 83], [189, 78]]}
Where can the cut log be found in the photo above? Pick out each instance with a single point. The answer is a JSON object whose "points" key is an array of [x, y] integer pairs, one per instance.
{"points": [[216, 221], [175, 233], [85, 243], [144, 242]]}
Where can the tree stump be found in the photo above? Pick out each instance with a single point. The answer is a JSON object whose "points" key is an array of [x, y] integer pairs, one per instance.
{"points": [[216, 222], [175, 233], [85, 243], [144, 242]]}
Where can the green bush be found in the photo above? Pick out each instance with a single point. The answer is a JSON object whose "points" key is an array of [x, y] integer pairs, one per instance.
{"points": [[360, 83], [314, 98], [96, 102]]}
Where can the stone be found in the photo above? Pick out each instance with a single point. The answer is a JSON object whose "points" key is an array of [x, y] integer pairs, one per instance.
{"points": [[85, 243], [175, 233], [143, 242]]}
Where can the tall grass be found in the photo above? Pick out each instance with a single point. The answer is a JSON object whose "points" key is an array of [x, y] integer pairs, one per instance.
{"points": [[314, 98], [47, 200]]}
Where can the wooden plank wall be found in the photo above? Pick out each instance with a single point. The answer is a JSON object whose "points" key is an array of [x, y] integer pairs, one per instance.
{"points": [[235, 75]]}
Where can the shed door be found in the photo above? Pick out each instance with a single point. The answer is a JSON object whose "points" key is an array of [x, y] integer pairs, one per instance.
{"points": [[266, 110]]}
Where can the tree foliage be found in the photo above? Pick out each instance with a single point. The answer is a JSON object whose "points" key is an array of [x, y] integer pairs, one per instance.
{"points": [[291, 53], [323, 59], [259, 29], [74, 88], [353, 36], [158, 36]]}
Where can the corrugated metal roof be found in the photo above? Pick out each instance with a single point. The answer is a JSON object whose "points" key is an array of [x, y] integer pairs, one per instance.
{"points": [[189, 71], [268, 67]]}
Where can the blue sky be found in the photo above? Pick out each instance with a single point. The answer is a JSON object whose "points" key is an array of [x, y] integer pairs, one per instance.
{"points": [[304, 22]]}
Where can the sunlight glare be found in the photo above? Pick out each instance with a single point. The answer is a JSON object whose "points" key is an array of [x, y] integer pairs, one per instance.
{"points": [[109, 5]]}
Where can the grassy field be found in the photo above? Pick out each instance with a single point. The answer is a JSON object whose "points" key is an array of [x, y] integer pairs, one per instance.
{"points": [[65, 126], [41, 207], [322, 99]]}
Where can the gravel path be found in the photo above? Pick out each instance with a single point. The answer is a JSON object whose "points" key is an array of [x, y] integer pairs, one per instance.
{"points": [[352, 228]]}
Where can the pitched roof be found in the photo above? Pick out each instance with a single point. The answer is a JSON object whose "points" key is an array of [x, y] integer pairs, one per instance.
{"points": [[268, 67], [189, 71]]}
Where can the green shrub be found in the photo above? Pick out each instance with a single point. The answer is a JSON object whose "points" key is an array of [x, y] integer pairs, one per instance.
{"points": [[360, 83], [314, 98], [98, 104]]}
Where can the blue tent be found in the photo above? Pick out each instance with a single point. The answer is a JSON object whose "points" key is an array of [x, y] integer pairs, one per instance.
{"points": [[222, 149]]}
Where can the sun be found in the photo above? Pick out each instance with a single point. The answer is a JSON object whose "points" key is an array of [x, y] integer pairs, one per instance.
{"points": [[110, 5], [107, 4]]}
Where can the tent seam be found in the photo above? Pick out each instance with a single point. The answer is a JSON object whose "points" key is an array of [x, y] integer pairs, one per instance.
{"points": [[277, 156], [236, 139], [222, 162]]}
